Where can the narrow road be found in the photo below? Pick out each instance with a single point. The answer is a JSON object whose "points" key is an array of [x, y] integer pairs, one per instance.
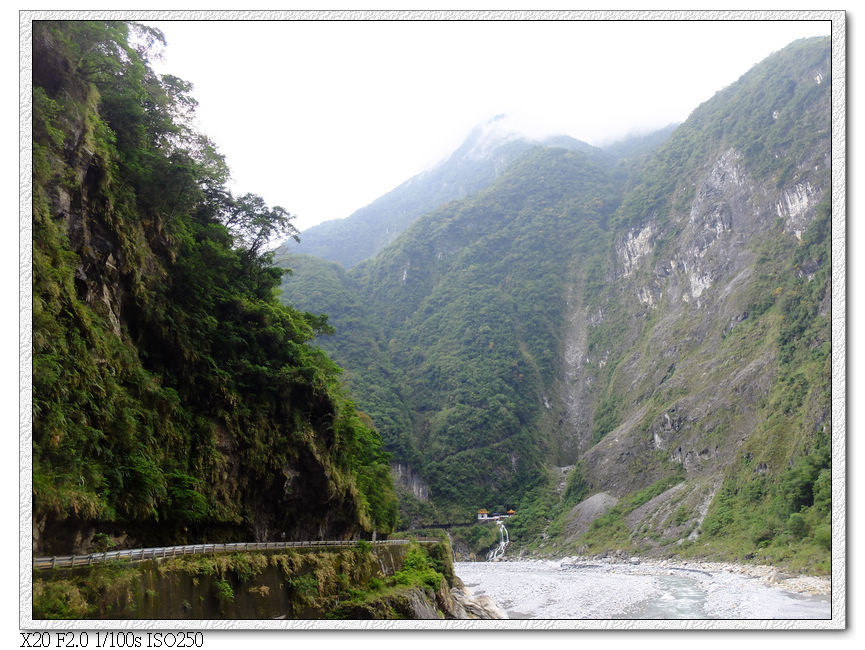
{"points": [[155, 553]]}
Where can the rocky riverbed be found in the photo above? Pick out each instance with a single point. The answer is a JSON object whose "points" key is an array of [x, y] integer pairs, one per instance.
{"points": [[605, 588]]}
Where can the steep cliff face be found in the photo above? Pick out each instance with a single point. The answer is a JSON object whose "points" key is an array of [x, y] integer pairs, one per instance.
{"points": [[173, 398], [693, 290], [697, 272], [708, 351]]}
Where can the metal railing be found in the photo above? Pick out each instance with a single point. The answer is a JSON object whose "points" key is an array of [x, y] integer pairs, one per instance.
{"points": [[141, 554]]}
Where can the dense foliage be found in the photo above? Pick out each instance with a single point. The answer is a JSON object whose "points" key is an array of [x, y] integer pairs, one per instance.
{"points": [[356, 342], [173, 395]]}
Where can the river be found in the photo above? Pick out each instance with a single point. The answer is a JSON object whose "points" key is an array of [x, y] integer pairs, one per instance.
{"points": [[577, 588]]}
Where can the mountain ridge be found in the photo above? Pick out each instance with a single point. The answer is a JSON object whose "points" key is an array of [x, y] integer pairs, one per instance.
{"points": [[484, 154]]}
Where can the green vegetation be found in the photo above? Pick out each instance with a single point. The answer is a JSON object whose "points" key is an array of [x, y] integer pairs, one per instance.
{"points": [[424, 568], [479, 538], [759, 116], [83, 595], [606, 418], [416, 570], [368, 230], [576, 488], [460, 314], [610, 530], [224, 592], [173, 395], [356, 342], [540, 510], [298, 583]]}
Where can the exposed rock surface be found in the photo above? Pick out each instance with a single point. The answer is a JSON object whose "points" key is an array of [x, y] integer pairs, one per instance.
{"points": [[584, 513], [478, 606], [411, 481]]}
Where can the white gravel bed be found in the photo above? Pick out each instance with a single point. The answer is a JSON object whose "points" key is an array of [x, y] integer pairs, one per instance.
{"points": [[584, 588]]}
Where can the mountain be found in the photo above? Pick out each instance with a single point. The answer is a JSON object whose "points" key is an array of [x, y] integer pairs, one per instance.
{"points": [[174, 399], [464, 348], [486, 152], [633, 353]]}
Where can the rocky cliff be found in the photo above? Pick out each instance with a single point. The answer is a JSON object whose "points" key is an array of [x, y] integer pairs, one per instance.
{"points": [[173, 398], [710, 344]]}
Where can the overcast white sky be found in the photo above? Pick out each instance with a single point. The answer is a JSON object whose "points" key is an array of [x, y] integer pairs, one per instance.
{"points": [[324, 117]]}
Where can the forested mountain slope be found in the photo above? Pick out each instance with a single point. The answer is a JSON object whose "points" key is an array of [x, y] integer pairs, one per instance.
{"points": [[468, 300], [657, 332], [174, 398]]}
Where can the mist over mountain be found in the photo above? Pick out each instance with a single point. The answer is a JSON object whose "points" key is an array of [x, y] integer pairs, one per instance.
{"points": [[639, 143], [630, 346], [483, 156]]}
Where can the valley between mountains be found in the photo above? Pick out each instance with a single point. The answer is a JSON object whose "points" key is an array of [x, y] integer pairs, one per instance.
{"points": [[620, 351], [628, 346]]}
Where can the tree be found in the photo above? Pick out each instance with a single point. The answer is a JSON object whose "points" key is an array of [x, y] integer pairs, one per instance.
{"points": [[253, 224]]}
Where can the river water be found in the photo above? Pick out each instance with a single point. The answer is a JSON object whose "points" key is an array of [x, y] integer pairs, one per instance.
{"points": [[579, 589]]}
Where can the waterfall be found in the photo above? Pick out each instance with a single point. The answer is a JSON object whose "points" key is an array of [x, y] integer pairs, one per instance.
{"points": [[504, 540]]}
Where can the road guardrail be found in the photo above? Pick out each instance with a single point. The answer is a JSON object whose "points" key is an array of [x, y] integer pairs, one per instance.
{"points": [[156, 553]]}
